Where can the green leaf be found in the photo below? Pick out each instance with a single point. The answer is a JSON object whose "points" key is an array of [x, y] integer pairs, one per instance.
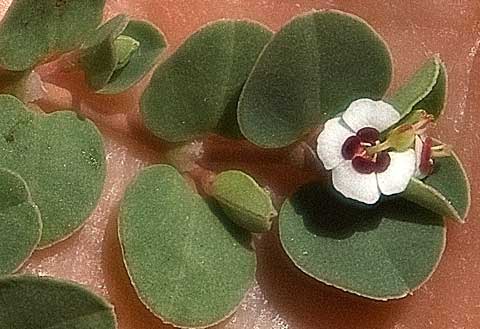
{"points": [[32, 30], [313, 68], [112, 70], [381, 253], [99, 60], [425, 90], [196, 90], [244, 201], [39, 302], [189, 264], [434, 102], [151, 44], [61, 157], [446, 191], [20, 224]]}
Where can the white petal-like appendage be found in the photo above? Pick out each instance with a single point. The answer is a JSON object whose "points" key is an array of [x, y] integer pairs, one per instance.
{"points": [[365, 112], [330, 142], [354, 185], [401, 169]]}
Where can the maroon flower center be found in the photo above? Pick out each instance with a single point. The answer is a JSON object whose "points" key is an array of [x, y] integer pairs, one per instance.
{"points": [[369, 135], [355, 148]]}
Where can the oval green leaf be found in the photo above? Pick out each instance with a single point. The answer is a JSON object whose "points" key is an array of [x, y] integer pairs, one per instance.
{"points": [[189, 264], [196, 90], [446, 191], [425, 90], [381, 253], [61, 157], [313, 68], [20, 223], [41, 302], [33, 30], [244, 201]]}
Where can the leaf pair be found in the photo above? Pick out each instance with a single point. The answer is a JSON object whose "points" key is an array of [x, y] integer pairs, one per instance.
{"points": [[33, 32], [59, 160], [120, 53]]}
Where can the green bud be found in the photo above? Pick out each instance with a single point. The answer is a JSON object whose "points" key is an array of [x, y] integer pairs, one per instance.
{"points": [[246, 203], [124, 47]]}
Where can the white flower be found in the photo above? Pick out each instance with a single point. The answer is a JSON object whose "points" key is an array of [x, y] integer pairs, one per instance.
{"points": [[356, 173]]}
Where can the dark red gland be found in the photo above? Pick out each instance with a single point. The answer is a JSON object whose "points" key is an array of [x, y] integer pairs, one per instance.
{"points": [[382, 162], [364, 165], [351, 147], [367, 165], [426, 162], [369, 135]]}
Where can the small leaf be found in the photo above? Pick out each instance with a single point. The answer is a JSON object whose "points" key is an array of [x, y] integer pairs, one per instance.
{"points": [[244, 201], [196, 90], [381, 253], [100, 60], [61, 158], [434, 102], [125, 47], [20, 224], [120, 54], [151, 44], [446, 191], [41, 302], [188, 263], [313, 68], [425, 90], [33, 30]]}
